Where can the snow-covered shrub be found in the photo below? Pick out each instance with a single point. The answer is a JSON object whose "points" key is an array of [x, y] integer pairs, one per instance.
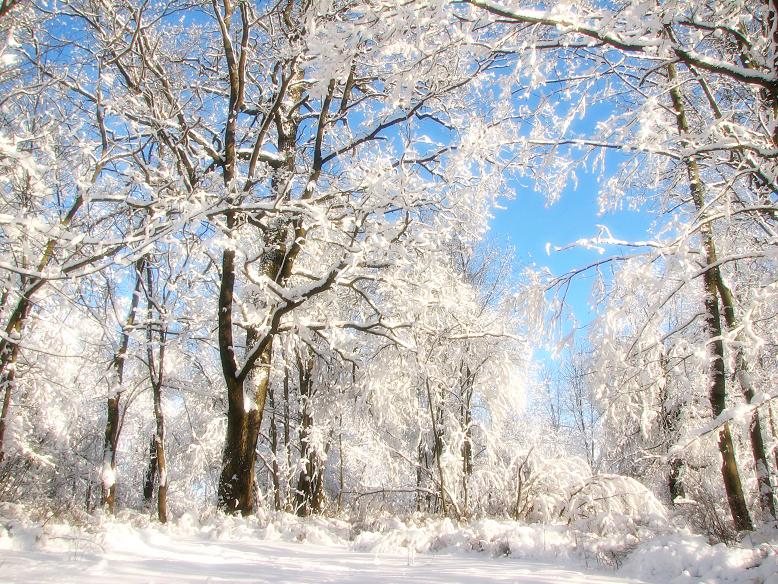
{"points": [[608, 504]]}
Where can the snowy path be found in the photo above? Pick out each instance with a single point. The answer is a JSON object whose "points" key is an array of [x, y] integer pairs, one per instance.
{"points": [[192, 560]]}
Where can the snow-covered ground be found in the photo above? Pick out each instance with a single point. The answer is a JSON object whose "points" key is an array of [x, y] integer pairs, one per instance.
{"points": [[283, 549], [190, 560]]}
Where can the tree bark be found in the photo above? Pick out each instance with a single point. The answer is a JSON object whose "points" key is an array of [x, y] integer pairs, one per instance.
{"points": [[113, 421], [758, 450], [283, 240], [236, 483], [718, 381], [7, 378], [275, 469], [437, 450], [467, 443], [156, 368], [309, 496], [151, 473]]}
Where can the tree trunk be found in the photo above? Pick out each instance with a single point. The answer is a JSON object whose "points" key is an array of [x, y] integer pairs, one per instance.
{"points": [[674, 483], [151, 473], [245, 407], [275, 470], [287, 436], [236, 483], [718, 389], [309, 496], [467, 443], [437, 433], [421, 463], [110, 442], [163, 478], [341, 464], [113, 421], [7, 377], [9, 355], [159, 449], [758, 450]]}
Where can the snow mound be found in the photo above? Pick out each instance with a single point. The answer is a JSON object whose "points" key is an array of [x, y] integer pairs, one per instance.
{"points": [[684, 558]]}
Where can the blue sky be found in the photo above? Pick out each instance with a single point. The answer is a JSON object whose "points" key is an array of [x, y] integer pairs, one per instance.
{"points": [[528, 224]]}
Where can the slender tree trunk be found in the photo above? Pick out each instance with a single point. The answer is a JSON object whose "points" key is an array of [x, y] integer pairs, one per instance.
{"points": [[437, 450], [151, 473], [674, 483], [287, 437], [419, 475], [113, 421], [772, 95], [275, 469], [88, 498], [467, 443], [773, 433], [110, 442], [155, 361], [159, 445], [669, 420], [341, 464], [758, 450], [718, 389], [7, 377], [310, 492]]}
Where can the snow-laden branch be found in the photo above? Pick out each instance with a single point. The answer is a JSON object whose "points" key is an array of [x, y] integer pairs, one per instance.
{"points": [[634, 41]]}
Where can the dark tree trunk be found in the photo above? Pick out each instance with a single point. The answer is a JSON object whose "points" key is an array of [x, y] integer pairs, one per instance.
{"points": [[309, 496], [287, 434], [420, 463], [157, 375], [237, 479], [236, 483], [670, 421], [159, 451], [159, 444], [110, 442], [151, 473], [341, 464]]}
